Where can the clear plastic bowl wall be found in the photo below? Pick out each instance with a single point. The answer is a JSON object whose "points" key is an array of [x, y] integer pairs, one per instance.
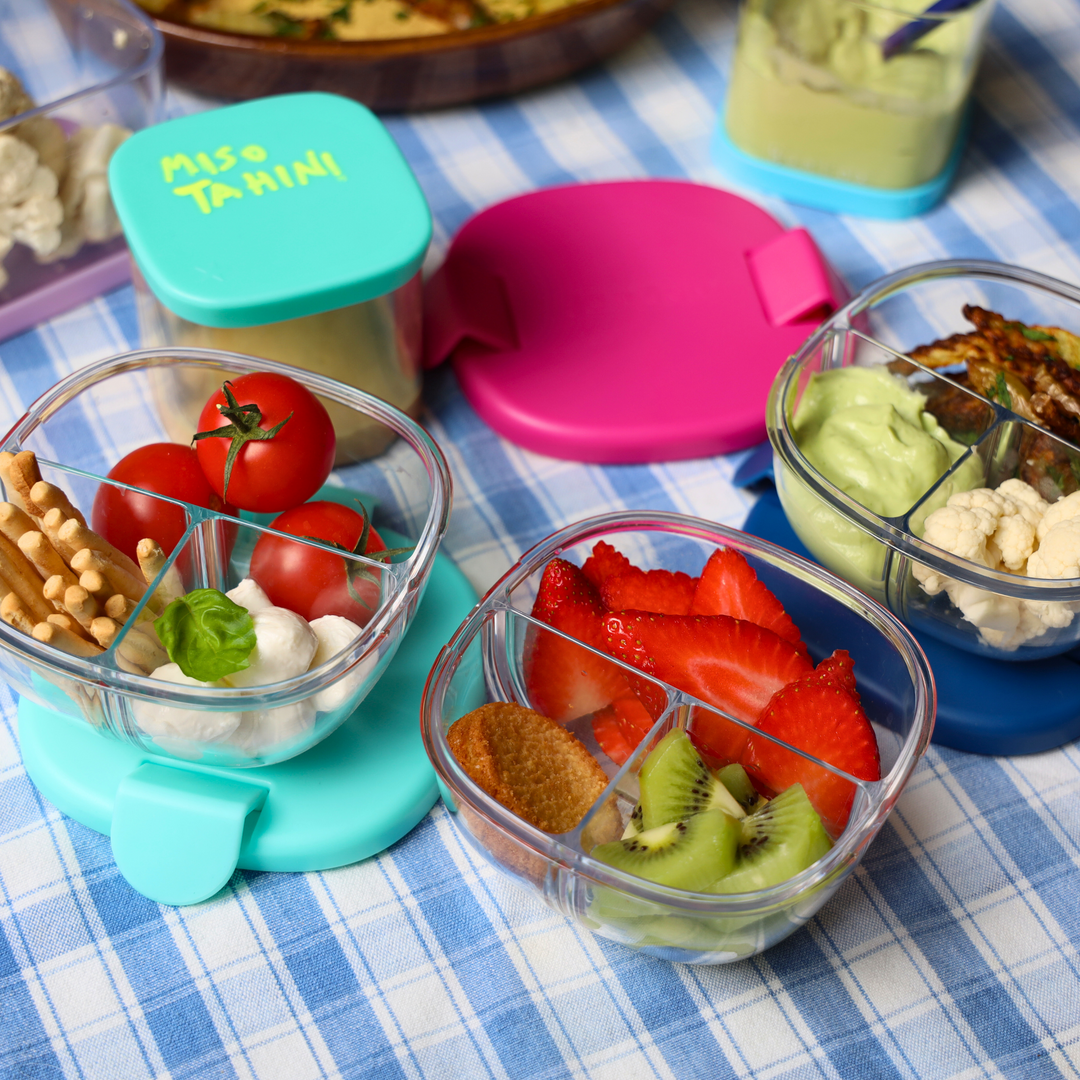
{"points": [[885, 556], [85, 63], [90, 420], [374, 346], [484, 662]]}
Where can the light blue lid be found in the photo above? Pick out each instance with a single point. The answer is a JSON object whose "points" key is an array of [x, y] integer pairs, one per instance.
{"points": [[270, 210]]}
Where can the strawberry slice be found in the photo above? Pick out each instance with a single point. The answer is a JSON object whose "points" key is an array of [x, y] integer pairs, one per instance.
{"points": [[564, 680], [730, 663], [605, 562], [820, 717], [838, 669], [665, 591], [621, 726], [729, 586]]}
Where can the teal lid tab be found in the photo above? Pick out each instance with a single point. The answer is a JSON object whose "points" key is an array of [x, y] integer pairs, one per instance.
{"points": [[270, 210]]}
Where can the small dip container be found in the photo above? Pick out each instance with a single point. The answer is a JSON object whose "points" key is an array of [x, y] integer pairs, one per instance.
{"points": [[868, 95], [290, 228]]}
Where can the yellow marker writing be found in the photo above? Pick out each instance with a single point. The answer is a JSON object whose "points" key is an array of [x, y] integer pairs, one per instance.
{"points": [[283, 175], [170, 166], [312, 168], [220, 192], [205, 162], [332, 165], [260, 181], [226, 158], [253, 153], [198, 192]]}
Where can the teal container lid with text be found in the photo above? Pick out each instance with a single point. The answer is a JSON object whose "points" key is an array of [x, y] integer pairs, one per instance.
{"points": [[270, 210]]}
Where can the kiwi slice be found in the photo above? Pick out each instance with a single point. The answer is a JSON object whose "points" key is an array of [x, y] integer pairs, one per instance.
{"points": [[734, 778], [683, 854], [633, 823], [676, 784], [778, 841]]}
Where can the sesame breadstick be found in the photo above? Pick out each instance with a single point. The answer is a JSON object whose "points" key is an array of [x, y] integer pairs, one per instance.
{"points": [[95, 584], [121, 581], [152, 560], [24, 474], [14, 614], [36, 547], [51, 523], [23, 580], [6, 459], [77, 537], [15, 521], [81, 604], [50, 634], [62, 619]]}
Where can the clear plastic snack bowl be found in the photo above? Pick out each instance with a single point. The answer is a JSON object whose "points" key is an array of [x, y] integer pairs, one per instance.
{"points": [[484, 662], [94, 417], [994, 613]]}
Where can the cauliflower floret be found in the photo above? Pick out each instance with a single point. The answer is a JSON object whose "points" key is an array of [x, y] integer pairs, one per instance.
{"points": [[85, 193], [284, 646], [1027, 496], [30, 212], [18, 161], [1062, 510], [1059, 551], [962, 531]]}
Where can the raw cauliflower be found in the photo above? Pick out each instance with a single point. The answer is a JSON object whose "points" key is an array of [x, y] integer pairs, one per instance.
{"points": [[1009, 529]]}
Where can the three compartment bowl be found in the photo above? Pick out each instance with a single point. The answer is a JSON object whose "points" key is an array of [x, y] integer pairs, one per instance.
{"points": [[82, 427], [485, 661], [886, 556]]}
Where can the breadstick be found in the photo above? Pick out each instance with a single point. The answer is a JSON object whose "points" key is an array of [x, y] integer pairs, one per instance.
{"points": [[77, 537], [152, 560], [60, 618], [15, 521], [143, 648], [81, 604], [6, 459], [104, 630], [36, 547], [120, 607], [46, 497], [24, 473], [14, 614], [50, 634], [95, 583], [120, 580], [51, 524], [23, 580]]}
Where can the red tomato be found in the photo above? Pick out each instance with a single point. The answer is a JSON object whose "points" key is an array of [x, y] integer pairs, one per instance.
{"points": [[270, 472], [126, 517], [313, 582]]}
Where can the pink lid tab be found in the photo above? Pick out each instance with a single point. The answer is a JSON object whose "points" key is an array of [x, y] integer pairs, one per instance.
{"points": [[792, 280], [621, 322]]}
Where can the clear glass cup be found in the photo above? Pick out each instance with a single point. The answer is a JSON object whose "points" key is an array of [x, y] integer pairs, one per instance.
{"points": [[953, 599], [81, 428], [815, 86], [485, 661]]}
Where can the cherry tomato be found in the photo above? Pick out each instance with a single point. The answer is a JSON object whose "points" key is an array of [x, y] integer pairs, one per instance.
{"points": [[283, 439], [126, 517], [313, 582]]}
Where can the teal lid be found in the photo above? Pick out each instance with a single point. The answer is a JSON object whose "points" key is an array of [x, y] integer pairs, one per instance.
{"points": [[270, 210]]}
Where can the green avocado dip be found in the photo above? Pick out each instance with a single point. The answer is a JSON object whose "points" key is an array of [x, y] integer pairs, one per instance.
{"points": [[867, 432], [812, 90]]}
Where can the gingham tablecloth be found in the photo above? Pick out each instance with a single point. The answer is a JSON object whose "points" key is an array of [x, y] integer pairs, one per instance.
{"points": [[951, 952]]}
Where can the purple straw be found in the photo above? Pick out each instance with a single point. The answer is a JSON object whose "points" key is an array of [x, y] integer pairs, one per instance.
{"points": [[901, 40]]}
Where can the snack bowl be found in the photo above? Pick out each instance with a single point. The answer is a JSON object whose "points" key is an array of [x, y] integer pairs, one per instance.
{"points": [[991, 612], [93, 68], [86, 423], [488, 660]]}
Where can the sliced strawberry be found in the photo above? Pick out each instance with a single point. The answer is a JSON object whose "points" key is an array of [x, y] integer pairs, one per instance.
{"points": [[729, 586], [609, 733], [823, 719], [732, 664], [838, 669], [665, 591], [605, 562], [632, 721], [563, 679], [720, 740]]}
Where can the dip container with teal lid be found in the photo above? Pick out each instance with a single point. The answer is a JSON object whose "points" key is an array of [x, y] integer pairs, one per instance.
{"points": [[287, 227], [854, 106]]}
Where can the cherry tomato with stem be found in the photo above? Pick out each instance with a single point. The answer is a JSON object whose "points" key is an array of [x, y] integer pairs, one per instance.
{"points": [[265, 442]]}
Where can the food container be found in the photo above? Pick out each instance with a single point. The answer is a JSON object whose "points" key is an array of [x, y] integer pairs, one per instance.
{"points": [[884, 555], [859, 92], [94, 69], [91, 419], [290, 228], [484, 662]]}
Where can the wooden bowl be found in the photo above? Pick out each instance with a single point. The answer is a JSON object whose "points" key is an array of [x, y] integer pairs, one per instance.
{"points": [[408, 73]]}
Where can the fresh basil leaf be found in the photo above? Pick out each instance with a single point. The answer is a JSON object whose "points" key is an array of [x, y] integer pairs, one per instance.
{"points": [[206, 634]]}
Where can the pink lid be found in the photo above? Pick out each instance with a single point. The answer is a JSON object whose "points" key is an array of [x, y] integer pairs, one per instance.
{"points": [[625, 322]]}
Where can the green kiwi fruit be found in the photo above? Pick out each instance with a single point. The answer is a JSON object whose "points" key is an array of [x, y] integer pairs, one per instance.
{"points": [[778, 841], [734, 778], [688, 854], [633, 823], [676, 784]]}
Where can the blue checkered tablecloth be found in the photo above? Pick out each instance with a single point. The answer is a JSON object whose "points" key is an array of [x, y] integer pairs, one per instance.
{"points": [[950, 953]]}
